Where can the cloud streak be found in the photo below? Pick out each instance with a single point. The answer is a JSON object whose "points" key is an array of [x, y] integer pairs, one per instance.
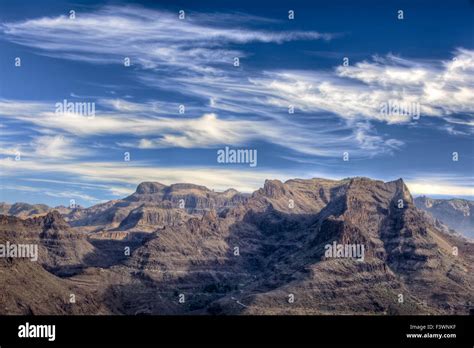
{"points": [[442, 89], [206, 131], [152, 39]]}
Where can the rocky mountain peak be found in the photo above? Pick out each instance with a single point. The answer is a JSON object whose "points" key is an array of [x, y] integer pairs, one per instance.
{"points": [[23, 210], [274, 188], [184, 187], [403, 190], [53, 220], [149, 187]]}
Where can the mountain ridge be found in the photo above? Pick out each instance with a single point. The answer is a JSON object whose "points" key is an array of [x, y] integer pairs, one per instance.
{"points": [[246, 255]]}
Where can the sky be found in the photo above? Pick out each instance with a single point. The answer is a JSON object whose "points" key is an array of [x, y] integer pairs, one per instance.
{"points": [[341, 89]]}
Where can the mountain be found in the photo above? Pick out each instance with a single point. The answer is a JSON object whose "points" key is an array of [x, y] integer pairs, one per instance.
{"points": [[59, 247], [153, 205], [23, 210], [281, 252], [267, 253], [458, 214], [31, 287]]}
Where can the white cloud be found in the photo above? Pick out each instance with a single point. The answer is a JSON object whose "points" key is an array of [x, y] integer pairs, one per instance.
{"points": [[201, 131], [119, 191], [186, 56], [439, 188], [442, 88], [206, 131], [446, 184], [151, 38], [55, 147], [121, 105], [53, 193], [354, 94], [9, 149]]}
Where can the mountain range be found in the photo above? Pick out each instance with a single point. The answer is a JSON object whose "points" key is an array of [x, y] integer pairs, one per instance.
{"points": [[457, 214], [185, 249]]}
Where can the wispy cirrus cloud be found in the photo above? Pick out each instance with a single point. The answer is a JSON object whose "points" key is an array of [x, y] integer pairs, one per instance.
{"points": [[187, 57], [194, 56], [206, 131], [56, 147], [53, 193], [153, 39], [443, 89]]}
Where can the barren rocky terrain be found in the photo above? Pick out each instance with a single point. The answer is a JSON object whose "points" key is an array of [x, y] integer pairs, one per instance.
{"points": [[185, 249]]}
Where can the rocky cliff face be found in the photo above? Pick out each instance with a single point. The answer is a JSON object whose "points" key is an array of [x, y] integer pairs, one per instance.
{"points": [[268, 253], [58, 245], [31, 286], [192, 198], [457, 214], [154, 205]]}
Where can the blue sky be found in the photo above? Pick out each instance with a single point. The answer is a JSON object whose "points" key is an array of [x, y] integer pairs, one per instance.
{"points": [[425, 59]]}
